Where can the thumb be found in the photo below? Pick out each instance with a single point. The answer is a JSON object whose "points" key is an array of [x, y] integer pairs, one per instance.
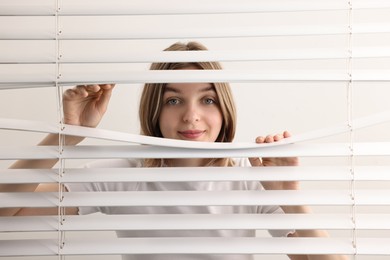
{"points": [[255, 161]]}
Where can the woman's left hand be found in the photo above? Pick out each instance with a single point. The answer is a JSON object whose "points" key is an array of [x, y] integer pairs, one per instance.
{"points": [[276, 161]]}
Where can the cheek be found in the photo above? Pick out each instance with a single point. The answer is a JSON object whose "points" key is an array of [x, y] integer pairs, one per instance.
{"points": [[162, 119], [216, 119], [165, 122]]}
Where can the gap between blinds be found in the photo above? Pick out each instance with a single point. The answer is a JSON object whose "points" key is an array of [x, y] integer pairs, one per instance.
{"points": [[47, 43]]}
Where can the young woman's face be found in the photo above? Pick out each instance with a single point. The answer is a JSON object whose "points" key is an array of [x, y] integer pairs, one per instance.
{"points": [[190, 112]]}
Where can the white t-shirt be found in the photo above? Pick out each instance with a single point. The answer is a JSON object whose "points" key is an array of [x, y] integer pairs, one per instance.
{"points": [[177, 186]]}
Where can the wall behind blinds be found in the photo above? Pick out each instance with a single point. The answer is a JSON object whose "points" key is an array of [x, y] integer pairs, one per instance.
{"points": [[299, 54]]}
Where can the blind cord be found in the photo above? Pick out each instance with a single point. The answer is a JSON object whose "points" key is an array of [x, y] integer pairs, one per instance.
{"points": [[61, 137], [350, 124]]}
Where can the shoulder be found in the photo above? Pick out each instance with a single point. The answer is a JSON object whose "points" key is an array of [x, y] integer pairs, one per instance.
{"points": [[115, 163], [241, 162]]}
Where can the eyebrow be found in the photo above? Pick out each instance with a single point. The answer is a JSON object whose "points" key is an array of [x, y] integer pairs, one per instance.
{"points": [[171, 89]]}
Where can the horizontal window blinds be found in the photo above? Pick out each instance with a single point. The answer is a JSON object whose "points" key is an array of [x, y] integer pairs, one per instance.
{"points": [[320, 54]]}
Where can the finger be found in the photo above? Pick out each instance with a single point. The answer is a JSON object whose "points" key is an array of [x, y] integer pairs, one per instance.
{"points": [[269, 139], [105, 98], [81, 91], [89, 87], [286, 134], [260, 139], [107, 86], [278, 137], [69, 93], [92, 88], [78, 90]]}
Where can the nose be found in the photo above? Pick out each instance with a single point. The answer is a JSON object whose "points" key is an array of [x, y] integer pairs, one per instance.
{"points": [[191, 114]]}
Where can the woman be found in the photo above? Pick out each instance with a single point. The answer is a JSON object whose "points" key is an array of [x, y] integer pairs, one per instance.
{"points": [[185, 111]]}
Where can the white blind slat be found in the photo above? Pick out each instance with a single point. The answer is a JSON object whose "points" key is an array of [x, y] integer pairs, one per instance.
{"points": [[29, 224], [76, 74], [27, 27], [188, 174], [372, 221], [120, 51], [196, 222], [181, 222], [181, 246], [371, 4], [371, 173], [28, 74], [372, 197], [174, 222], [25, 7], [300, 150], [28, 247], [121, 7], [224, 246], [28, 125], [110, 27], [29, 176], [193, 7], [29, 199], [195, 198], [31, 152], [30, 51], [141, 151], [373, 246], [14, 86]]}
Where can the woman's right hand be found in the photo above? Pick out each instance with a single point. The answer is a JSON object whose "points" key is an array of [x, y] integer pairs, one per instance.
{"points": [[85, 105]]}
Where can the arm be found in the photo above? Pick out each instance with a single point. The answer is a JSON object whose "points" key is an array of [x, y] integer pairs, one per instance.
{"points": [[290, 185], [84, 106]]}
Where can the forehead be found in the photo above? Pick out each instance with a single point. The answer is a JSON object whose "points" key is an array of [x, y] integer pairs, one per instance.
{"points": [[189, 88]]}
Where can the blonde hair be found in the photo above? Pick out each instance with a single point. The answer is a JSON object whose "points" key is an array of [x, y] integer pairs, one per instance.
{"points": [[152, 95]]}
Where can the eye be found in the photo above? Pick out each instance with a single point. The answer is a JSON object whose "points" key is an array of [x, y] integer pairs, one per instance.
{"points": [[173, 101], [209, 101]]}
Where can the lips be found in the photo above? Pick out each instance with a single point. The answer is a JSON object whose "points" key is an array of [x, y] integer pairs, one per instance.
{"points": [[191, 134]]}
